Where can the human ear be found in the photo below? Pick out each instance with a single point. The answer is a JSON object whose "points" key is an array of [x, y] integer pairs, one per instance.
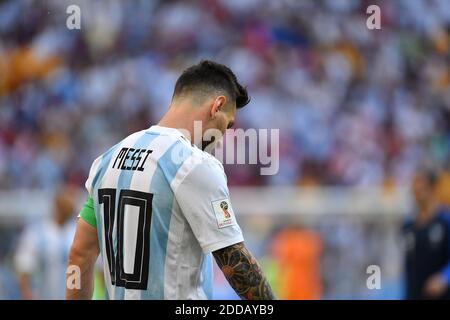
{"points": [[218, 104]]}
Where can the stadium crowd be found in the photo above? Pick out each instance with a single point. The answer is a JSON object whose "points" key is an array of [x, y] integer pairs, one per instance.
{"points": [[355, 106]]}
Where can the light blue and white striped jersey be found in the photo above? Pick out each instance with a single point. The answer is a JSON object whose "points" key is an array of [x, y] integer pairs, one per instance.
{"points": [[162, 206], [42, 253]]}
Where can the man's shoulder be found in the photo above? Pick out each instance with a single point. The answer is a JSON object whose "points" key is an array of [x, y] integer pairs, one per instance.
{"points": [[207, 158], [117, 144], [444, 215], [196, 156], [199, 169]]}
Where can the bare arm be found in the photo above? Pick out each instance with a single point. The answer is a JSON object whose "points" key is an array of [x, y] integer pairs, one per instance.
{"points": [[24, 286], [83, 254], [243, 272]]}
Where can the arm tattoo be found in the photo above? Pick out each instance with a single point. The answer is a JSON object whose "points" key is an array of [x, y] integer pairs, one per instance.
{"points": [[243, 272]]}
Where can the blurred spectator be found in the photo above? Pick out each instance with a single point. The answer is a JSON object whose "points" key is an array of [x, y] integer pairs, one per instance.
{"points": [[41, 257], [427, 238], [297, 253], [355, 106]]}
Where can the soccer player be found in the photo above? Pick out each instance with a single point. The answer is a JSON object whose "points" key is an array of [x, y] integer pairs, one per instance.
{"points": [[427, 238], [41, 256], [159, 205]]}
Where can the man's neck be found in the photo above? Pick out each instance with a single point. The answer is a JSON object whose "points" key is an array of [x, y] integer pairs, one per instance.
{"points": [[426, 213], [178, 119]]}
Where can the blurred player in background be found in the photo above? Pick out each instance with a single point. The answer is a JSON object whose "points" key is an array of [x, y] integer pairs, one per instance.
{"points": [[158, 204], [43, 250], [297, 251], [427, 237]]}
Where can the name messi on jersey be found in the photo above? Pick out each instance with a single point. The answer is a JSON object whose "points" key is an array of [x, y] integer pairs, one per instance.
{"points": [[131, 159]]}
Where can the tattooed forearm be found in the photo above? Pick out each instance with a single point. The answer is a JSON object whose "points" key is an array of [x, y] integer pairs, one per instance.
{"points": [[243, 272]]}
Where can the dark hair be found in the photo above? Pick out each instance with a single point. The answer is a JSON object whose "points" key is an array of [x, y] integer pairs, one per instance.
{"points": [[430, 176], [209, 75]]}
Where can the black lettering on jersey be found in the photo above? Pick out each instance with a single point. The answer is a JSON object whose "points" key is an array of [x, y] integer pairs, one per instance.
{"points": [[120, 156], [122, 161], [131, 159], [138, 158], [141, 168], [127, 156]]}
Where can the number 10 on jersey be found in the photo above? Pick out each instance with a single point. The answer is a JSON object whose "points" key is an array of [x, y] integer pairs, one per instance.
{"points": [[126, 271]]}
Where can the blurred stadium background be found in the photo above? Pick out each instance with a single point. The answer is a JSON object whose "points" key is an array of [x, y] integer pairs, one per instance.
{"points": [[359, 111]]}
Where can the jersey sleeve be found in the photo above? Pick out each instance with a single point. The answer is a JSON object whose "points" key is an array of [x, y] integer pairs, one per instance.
{"points": [[92, 173], [87, 213], [204, 199]]}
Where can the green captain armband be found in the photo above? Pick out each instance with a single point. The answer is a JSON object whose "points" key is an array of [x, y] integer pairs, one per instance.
{"points": [[88, 214]]}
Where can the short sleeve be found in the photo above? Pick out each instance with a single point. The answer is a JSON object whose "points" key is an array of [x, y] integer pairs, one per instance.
{"points": [[92, 172], [204, 199]]}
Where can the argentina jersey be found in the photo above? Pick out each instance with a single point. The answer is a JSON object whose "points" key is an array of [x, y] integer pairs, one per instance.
{"points": [[161, 207], [42, 254]]}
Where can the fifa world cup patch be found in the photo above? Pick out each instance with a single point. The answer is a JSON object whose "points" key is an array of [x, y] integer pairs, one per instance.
{"points": [[224, 213]]}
